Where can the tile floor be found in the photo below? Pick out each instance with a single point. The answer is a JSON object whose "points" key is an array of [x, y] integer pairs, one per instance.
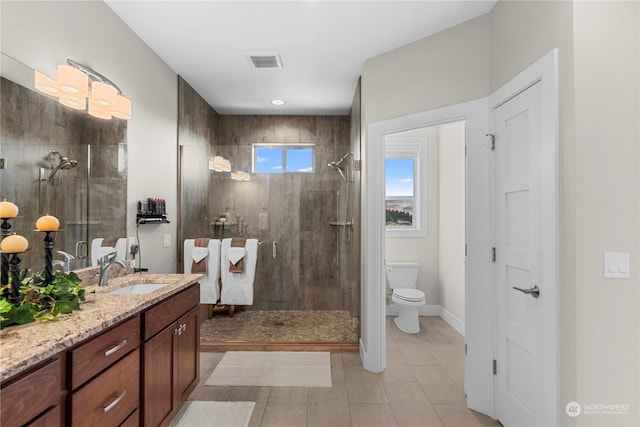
{"points": [[280, 326], [421, 386]]}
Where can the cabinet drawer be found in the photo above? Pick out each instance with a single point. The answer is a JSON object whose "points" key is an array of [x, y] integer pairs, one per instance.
{"points": [[51, 418], [132, 420], [110, 397], [158, 317], [98, 353], [32, 394]]}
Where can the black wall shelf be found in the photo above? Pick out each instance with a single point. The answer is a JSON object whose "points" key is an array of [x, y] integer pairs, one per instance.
{"points": [[151, 219]]}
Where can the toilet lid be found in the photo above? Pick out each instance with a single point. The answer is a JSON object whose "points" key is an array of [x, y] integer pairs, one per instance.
{"points": [[409, 294]]}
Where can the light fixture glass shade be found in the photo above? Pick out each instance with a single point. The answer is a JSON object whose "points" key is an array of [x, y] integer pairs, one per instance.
{"points": [[72, 81], [75, 102], [99, 111], [103, 94], [226, 165], [46, 84], [240, 176], [218, 164], [122, 109]]}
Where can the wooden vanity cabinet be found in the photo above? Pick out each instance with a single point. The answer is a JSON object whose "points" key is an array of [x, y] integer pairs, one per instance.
{"points": [[110, 378], [34, 398], [104, 376], [171, 349]]}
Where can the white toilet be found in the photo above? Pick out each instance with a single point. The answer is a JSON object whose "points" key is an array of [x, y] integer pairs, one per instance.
{"points": [[402, 278]]}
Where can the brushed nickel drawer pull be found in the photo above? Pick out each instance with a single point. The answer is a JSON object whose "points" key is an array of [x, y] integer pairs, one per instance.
{"points": [[116, 348], [116, 401]]}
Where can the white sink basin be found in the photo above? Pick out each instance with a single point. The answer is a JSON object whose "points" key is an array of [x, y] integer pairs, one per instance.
{"points": [[138, 288]]}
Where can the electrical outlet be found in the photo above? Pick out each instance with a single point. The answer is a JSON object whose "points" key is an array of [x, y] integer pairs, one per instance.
{"points": [[167, 240]]}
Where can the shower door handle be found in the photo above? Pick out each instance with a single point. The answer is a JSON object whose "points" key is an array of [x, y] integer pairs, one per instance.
{"points": [[273, 250], [81, 249]]}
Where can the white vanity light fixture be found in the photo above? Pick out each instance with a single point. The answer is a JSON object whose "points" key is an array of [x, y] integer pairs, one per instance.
{"points": [[46, 84], [81, 87], [75, 102], [240, 176], [220, 164]]}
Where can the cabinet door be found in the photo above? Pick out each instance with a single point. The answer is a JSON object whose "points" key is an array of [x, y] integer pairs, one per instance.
{"points": [[187, 355], [158, 377], [32, 394]]}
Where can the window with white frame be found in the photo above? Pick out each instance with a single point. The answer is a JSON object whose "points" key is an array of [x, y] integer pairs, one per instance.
{"points": [[405, 201], [283, 158]]}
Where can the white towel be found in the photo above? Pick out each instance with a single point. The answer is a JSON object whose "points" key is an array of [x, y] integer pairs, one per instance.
{"points": [[199, 253], [235, 254], [101, 252], [237, 288], [209, 293]]}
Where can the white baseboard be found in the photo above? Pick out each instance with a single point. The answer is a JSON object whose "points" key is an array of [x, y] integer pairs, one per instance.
{"points": [[432, 310], [452, 320]]}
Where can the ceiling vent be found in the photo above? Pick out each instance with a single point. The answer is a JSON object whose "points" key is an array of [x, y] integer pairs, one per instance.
{"points": [[265, 60]]}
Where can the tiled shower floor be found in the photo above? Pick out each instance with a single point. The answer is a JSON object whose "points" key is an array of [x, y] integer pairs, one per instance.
{"points": [[281, 327]]}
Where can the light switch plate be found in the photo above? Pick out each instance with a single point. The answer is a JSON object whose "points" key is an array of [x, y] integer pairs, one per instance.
{"points": [[167, 240], [616, 265]]}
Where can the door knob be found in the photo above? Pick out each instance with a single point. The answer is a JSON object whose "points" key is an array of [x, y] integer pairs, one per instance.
{"points": [[534, 292]]}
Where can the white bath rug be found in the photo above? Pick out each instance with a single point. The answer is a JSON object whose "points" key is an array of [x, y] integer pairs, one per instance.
{"points": [[273, 369], [215, 414]]}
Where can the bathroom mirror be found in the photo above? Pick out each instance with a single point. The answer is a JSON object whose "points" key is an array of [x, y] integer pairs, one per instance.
{"points": [[62, 162]]}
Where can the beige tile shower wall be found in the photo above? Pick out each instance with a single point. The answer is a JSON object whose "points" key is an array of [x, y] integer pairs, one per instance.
{"points": [[311, 257], [196, 135]]}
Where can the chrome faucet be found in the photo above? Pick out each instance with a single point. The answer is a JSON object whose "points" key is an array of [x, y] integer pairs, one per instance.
{"points": [[105, 263], [69, 262]]}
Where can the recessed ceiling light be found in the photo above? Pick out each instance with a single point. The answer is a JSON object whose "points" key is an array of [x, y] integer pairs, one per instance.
{"points": [[277, 102]]}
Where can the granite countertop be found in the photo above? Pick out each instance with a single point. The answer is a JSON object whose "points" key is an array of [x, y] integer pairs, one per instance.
{"points": [[26, 345]]}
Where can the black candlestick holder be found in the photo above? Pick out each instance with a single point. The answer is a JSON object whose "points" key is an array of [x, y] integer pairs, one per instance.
{"points": [[48, 256], [14, 270], [4, 272]]}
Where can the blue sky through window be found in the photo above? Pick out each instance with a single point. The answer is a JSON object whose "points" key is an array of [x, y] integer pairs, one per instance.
{"points": [[399, 176], [268, 160], [271, 159], [299, 160]]}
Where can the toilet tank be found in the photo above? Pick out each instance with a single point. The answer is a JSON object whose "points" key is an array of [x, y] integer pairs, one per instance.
{"points": [[402, 274]]}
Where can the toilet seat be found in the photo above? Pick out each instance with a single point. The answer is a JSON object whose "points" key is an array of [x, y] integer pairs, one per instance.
{"points": [[409, 294]]}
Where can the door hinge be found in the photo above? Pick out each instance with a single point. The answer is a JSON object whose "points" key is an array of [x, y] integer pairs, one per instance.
{"points": [[495, 367], [493, 254], [465, 349], [465, 249], [493, 140]]}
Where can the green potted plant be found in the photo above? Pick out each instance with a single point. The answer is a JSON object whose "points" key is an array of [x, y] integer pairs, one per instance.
{"points": [[39, 301], [222, 217]]}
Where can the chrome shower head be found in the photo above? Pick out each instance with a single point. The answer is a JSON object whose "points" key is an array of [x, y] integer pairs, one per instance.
{"points": [[340, 167], [64, 163]]}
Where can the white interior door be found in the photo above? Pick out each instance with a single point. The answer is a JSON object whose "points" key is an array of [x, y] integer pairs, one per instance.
{"points": [[525, 278]]}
